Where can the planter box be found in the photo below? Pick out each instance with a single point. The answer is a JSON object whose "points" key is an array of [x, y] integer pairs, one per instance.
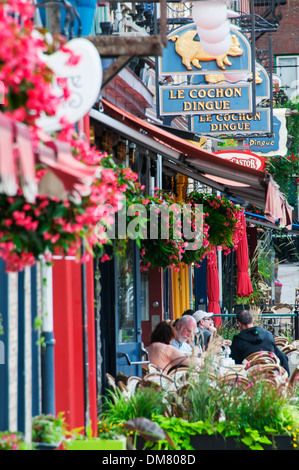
{"points": [[97, 444], [46, 446], [205, 442]]}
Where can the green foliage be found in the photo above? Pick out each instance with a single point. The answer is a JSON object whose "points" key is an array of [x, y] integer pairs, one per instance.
{"points": [[149, 430], [285, 168], [180, 431], [12, 441], [261, 406], [48, 429], [202, 399], [221, 216], [118, 408], [228, 330]]}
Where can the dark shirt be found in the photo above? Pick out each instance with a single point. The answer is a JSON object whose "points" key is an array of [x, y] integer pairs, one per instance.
{"points": [[202, 338], [253, 340]]}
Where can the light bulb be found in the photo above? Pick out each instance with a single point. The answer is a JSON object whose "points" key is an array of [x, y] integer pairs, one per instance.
{"points": [[218, 49], [209, 15], [213, 36], [233, 14], [236, 77]]}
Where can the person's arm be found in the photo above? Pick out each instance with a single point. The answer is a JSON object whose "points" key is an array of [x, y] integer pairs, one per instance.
{"points": [[178, 358]]}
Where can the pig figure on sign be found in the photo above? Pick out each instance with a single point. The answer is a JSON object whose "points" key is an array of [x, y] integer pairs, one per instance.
{"points": [[192, 52]]}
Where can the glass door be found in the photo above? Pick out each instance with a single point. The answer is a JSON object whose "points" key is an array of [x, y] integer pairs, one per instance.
{"points": [[129, 354]]}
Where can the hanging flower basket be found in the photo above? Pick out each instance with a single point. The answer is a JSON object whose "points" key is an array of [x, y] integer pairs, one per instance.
{"points": [[223, 219], [172, 235], [49, 225]]}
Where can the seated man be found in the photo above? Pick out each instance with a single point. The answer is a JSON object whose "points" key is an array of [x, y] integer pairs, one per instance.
{"points": [[185, 329], [163, 354], [205, 327], [253, 339]]}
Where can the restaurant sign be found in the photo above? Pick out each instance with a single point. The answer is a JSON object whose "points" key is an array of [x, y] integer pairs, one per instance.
{"points": [[275, 144], [204, 99], [184, 54], [236, 122], [207, 90], [232, 123], [84, 80], [244, 158]]}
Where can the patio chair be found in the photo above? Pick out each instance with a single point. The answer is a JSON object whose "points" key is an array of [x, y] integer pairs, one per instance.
{"points": [[124, 389], [179, 375], [233, 379], [289, 348], [132, 383], [158, 380], [282, 308], [260, 357], [294, 377], [152, 368], [111, 382], [281, 341], [270, 371], [293, 358], [266, 292]]}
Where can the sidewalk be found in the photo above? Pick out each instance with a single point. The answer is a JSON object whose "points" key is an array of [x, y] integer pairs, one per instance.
{"points": [[288, 275]]}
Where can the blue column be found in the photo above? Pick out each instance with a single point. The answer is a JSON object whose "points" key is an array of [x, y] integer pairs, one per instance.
{"points": [[34, 346], [4, 361], [47, 357], [200, 283], [21, 352]]}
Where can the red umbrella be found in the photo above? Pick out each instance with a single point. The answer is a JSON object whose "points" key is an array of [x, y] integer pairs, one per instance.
{"points": [[213, 285], [244, 286]]}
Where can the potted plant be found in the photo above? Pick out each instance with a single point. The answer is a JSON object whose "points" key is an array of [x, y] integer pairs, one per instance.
{"points": [[233, 415], [10, 440], [108, 440], [278, 288], [48, 431]]}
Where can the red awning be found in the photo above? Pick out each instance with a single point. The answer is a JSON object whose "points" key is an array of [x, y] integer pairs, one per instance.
{"points": [[18, 159], [182, 156]]}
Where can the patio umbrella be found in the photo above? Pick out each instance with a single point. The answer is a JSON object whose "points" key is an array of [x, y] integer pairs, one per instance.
{"points": [[213, 285], [244, 286]]}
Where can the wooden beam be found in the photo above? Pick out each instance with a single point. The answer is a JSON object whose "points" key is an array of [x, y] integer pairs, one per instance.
{"points": [[114, 68], [115, 46]]}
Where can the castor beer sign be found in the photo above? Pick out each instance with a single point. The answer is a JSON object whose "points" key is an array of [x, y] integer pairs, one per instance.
{"points": [[248, 159]]}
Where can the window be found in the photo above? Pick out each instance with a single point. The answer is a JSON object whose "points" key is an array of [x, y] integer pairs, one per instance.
{"points": [[287, 67], [125, 299]]}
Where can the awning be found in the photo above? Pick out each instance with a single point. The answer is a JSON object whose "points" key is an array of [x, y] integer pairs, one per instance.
{"points": [[182, 156]]}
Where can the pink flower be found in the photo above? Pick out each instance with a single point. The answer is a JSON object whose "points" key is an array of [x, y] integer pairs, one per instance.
{"points": [[8, 222]]}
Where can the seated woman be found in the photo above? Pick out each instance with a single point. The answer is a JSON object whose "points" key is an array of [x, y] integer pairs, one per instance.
{"points": [[162, 354]]}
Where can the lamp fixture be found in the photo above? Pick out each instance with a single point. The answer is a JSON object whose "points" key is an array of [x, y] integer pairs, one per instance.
{"points": [[213, 27]]}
